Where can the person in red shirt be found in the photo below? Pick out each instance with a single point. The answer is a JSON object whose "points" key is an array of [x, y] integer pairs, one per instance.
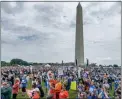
{"points": [[64, 93], [15, 88], [52, 91], [58, 88], [52, 83]]}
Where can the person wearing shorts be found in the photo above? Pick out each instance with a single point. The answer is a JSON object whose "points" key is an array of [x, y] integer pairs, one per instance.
{"points": [[24, 85], [23, 89]]}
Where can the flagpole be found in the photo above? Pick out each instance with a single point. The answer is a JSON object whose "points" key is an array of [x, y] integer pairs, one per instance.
{"points": [[62, 63], [77, 78], [46, 86], [63, 68]]}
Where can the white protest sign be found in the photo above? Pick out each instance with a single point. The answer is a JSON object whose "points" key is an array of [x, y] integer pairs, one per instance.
{"points": [[60, 71], [65, 69], [31, 68], [79, 70], [91, 89], [49, 73], [75, 69]]}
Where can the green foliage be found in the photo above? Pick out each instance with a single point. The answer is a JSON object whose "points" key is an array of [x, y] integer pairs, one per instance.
{"points": [[3, 63], [18, 62], [115, 65]]}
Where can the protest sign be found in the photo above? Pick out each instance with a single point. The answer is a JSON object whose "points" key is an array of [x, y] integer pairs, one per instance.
{"points": [[31, 68], [73, 85], [91, 89], [60, 71], [49, 75], [79, 70]]}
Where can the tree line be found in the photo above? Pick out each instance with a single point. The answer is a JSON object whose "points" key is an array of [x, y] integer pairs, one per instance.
{"points": [[15, 62]]}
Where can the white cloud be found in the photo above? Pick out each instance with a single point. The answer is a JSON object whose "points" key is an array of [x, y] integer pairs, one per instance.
{"points": [[13, 4], [45, 32]]}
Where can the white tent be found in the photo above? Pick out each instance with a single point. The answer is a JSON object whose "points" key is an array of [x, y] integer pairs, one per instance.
{"points": [[47, 65]]}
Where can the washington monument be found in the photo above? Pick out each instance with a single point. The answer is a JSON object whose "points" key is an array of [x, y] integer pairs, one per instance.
{"points": [[79, 41]]}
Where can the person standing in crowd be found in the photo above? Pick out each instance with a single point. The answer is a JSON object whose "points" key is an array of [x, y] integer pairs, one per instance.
{"points": [[24, 85], [51, 92], [103, 93], [80, 87], [12, 79], [68, 83], [35, 92], [15, 88], [93, 85], [52, 83], [6, 91], [28, 78], [58, 88], [118, 91], [110, 82], [33, 80], [40, 89], [63, 93], [9, 82]]}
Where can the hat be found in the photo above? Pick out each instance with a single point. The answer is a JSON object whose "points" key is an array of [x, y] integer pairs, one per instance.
{"points": [[36, 89], [17, 79]]}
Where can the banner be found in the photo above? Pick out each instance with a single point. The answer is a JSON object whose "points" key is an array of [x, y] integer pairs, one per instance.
{"points": [[73, 85]]}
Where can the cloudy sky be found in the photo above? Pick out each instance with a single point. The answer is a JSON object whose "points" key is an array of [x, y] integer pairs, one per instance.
{"points": [[45, 32]]}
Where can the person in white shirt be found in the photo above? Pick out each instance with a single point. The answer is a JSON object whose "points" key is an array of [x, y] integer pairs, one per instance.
{"points": [[33, 81], [27, 78]]}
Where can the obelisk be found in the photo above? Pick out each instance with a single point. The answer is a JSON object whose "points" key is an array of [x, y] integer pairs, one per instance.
{"points": [[79, 41]]}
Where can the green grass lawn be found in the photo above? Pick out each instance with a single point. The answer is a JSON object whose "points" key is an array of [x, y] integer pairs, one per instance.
{"points": [[111, 92], [72, 94]]}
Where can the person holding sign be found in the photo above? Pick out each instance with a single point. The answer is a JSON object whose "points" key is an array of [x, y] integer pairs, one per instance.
{"points": [[92, 87]]}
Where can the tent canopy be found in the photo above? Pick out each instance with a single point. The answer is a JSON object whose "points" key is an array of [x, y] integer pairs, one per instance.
{"points": [[47, 65]]}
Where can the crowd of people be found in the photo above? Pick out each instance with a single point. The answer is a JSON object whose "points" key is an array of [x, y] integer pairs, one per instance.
{"points": [[90, 83]]}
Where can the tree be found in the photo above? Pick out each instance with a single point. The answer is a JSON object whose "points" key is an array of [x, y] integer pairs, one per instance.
{"points": [[35, 63], [3, 63], [25, 63], [18, 62], [115, 65]]}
